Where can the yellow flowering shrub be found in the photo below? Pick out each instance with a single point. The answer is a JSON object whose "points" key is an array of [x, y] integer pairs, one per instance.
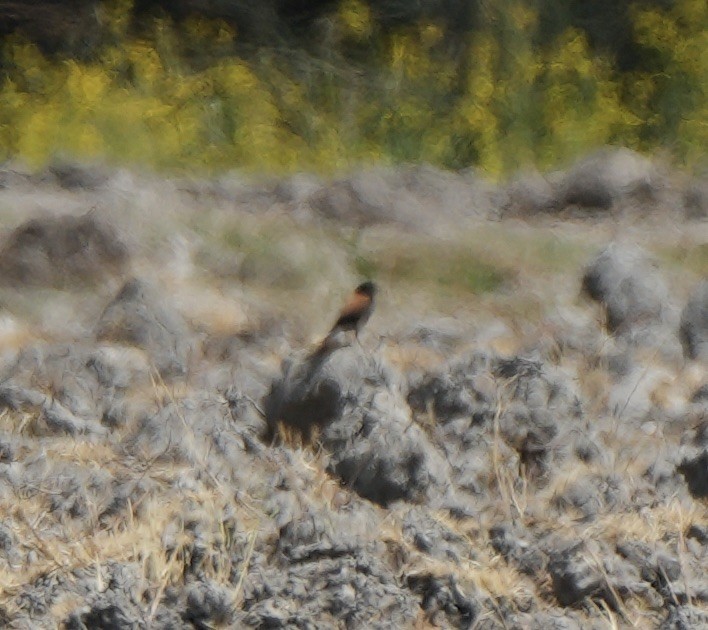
{"points": [[673, 98], [180, 96]]}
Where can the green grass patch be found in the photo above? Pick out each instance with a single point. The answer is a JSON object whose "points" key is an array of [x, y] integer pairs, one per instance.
{"points": [[452, 267], [366, 267], [694, 258], [275, 254]]}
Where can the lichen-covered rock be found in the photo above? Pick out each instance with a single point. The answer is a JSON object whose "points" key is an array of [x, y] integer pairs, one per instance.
{"points": [[603, 178], [529, 194], [404, 196], [208, 605], [56, 385], [530, 403], [694, 469], [62, 251], [626, 281], [328, 572], [573, 577], [693, 330], [487, 468], [433, 537], [142, 316], [443, 601], [74, 175], [695, 199], [461, 390], [518, 550], [357, 404], [684, 617]]}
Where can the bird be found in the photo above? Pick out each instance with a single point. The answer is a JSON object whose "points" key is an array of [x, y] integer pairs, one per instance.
{"points": [[355, 313]]}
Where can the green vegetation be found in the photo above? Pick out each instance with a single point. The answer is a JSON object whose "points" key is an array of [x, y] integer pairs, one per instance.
{"points": [[274, 255], [689, 257], [449, 266], [519, 82]]}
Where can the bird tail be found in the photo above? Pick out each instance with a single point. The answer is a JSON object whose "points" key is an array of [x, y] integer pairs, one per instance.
{"points": [[328, 345]]}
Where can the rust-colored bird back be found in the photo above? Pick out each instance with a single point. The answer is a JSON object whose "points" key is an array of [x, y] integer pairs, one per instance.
{"points": [[354, 309], [352, 317]]}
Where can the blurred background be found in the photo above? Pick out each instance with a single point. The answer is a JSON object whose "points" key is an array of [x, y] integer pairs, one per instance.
{"points": [[284, 85]]}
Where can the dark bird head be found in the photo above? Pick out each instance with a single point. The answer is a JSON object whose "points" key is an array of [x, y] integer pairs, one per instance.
{"points": [[367, 288]]}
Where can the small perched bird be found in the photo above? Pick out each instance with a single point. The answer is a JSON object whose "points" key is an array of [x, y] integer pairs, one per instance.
{"points": [[354, 315]]}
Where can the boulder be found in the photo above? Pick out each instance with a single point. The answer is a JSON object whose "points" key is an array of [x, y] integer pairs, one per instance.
{"points": [[585, 569], [533, 406], [694, 469], [522, 553], [73, 175], [529, 194], [695, 199], [606, 177], [685, 617], [444, 602], [413, 196], [57, 385], [627, 282], [142, 316], [573, 577], [61, 251], [693, 329], [363, 421]]}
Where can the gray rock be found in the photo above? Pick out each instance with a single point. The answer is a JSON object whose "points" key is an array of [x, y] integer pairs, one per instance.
{"points": [[327, 570], [553, 621], [700, 395], [105, 613], [119, 604], [529, 194], [443, 601], [685, 618], [606, 177], [364, 423], [573, 578], [58, 419], [248, 414], [523, 554], [537, 404], [208, 605], [296, 191], [532, 403], [313, 535], [119, 367], [695, 471], [695, 199], [432, 537], [36, 598], [62, 251], [140, 315], [55, 383], [658, 568], [693, 329], [197, 430], [16, 397], [628, 284], [404, 195], [699, 532], [457, 390], [14, 175], [74, 175], [593, 494], [582, 495]]}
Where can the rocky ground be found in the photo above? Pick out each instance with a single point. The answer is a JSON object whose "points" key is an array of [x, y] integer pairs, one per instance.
{"points": [[520, 440]]}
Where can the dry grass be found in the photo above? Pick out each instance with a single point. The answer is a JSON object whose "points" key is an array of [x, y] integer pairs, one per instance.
{"points": [[511, 274]]}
